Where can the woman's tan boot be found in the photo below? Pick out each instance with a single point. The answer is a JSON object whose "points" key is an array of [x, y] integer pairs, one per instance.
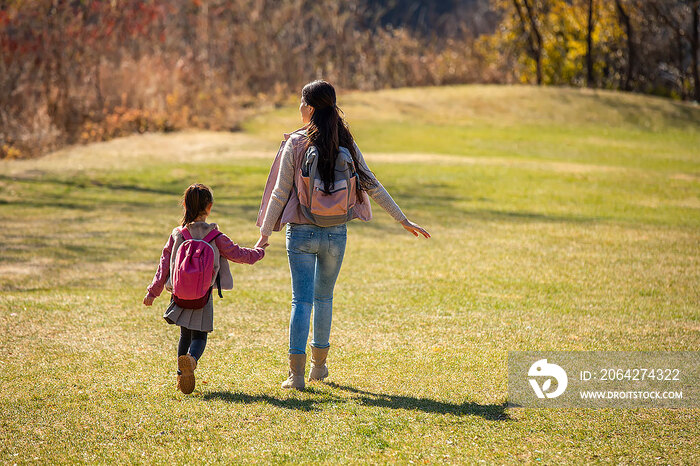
{"points": [[319, 370], [297, 367]]}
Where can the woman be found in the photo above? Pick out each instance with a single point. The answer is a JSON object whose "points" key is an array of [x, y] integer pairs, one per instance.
{"points": [[316, 253]]}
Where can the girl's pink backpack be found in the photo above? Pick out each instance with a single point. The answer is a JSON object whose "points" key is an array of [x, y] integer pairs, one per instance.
{"points": [[193, 270]]}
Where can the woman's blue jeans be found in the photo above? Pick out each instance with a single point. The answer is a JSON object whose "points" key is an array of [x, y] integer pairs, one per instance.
{"points": [[315, 256]]}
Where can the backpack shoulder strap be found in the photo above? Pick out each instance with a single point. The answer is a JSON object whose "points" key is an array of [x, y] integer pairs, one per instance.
{"points": [[313, 171], [185, 233], [218, 284], [351, 160], [212, 235]]}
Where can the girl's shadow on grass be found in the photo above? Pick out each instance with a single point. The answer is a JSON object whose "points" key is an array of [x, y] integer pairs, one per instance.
{"points": [[493, 412]]}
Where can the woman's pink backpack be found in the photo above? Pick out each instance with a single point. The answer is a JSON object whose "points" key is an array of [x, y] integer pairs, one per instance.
{"points": [[193, 270]]}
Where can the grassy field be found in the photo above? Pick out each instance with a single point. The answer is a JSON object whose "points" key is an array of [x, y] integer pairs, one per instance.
{"points": [[561, 219]]}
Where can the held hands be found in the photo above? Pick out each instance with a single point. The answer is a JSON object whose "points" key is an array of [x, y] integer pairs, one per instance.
{"points": [[148, 300], [414, 228], [262, 242]]}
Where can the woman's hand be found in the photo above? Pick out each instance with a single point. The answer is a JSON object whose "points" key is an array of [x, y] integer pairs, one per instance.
{"points": [[414, 228], [262, 242], [148, 300]]}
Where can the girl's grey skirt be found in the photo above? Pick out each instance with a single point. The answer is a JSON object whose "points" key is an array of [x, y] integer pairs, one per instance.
{"points": [[193, 319]]}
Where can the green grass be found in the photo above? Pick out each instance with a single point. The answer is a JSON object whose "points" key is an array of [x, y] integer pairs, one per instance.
{"points": [[561, 219]]}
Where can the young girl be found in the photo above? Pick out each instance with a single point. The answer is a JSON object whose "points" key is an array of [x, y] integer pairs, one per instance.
{"points": [[195, 324]]}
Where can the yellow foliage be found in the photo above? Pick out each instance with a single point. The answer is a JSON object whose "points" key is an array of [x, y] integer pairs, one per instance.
{"points": [[563, 28], [8, 151]]}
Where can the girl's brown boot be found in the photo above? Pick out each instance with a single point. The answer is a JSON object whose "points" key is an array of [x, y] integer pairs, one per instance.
{"points": [[185, 381]]}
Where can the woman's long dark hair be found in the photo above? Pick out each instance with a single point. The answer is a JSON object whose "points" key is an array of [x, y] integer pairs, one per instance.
{"points": [[195, 201], [328, 131]]}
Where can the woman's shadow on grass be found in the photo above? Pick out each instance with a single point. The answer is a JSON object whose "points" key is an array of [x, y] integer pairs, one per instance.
{"points": [[492, 412]]}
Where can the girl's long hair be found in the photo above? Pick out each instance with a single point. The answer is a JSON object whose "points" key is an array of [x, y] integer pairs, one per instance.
{"points": [[195, 201], [327, 130]]}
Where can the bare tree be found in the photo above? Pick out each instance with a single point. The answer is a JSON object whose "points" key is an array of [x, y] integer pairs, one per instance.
{"points": [[589, 45], [528, 19], [626, 23], [694, 45], [675, 15]]}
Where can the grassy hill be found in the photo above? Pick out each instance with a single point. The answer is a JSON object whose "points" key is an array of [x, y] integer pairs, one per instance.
{"points": [[561, 219], [607, 128]]}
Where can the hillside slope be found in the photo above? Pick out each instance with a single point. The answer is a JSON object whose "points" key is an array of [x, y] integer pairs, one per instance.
{"points": [[588, 126]]}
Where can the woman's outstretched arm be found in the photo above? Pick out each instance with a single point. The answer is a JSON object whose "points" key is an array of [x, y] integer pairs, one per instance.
{"points": [[382, 197]]}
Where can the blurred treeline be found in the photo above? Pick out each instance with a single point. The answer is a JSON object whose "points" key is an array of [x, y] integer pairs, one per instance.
{"points": [[83, 70]]}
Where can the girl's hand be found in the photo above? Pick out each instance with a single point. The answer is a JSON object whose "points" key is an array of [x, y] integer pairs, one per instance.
{"points": [[148, 300], [414, 228], [262, 242]]}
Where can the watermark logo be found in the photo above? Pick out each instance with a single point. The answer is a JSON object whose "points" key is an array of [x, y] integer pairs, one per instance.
{"points": [[604, 379], [541, 369]]}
